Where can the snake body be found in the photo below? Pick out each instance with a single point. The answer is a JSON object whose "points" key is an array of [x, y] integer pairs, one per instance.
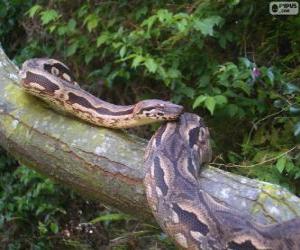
{"points": [[53, 82], [193, 218], [173, 158]]}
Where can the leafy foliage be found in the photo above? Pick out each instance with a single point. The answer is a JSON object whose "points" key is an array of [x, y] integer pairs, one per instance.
{"points": [[26, 206], [37, 214], [12, 34]]}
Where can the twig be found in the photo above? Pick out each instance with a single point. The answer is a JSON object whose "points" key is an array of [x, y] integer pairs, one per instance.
{"points": [[254, 126], [256, 164]]}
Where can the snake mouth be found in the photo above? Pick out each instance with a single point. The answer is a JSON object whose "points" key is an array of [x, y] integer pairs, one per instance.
{"points": [[173, 111], [157, 110]]}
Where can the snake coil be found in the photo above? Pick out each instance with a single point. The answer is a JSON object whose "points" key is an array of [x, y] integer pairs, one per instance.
{"points": [[173, 158]]}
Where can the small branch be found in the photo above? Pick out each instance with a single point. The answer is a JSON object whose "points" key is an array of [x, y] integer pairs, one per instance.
{"points": [[256, 164], [254, 126]]}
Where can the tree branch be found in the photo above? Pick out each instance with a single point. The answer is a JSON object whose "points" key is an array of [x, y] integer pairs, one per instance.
{"points": [[107, 165]]}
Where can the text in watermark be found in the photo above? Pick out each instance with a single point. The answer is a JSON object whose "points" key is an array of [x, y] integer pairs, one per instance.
{"points": [[284, 8]]}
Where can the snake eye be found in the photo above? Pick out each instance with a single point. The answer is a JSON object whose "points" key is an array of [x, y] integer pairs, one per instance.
{"points": [[55, 71]]}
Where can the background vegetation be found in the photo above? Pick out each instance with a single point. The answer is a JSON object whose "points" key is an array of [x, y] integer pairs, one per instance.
{"points": [[229, 61]]}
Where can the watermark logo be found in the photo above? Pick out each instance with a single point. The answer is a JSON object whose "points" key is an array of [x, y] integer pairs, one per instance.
{"points": [[284, 8]]}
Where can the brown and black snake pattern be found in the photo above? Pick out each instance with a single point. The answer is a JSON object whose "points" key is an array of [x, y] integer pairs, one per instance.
{"points": [[174, 156], [51, 81], [193, 218]]}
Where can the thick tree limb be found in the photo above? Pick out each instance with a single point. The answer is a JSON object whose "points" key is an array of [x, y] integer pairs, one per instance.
{"points": [[107, 165]]}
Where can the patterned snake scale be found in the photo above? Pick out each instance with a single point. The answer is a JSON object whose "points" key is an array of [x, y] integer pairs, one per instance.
{"points": [[173, 159], [193, 218]]}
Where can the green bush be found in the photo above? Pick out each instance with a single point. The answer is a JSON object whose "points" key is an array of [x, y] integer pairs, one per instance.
{"points": [[37, 214], [12, 34], [29, 205]]}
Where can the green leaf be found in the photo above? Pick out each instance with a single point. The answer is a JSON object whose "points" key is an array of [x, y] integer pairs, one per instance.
{"points": [[103, 38], [200, 99], [291, 88], [182, 25], [88, 57], [122, 51], [242, 85], [91, 22], [204, 81], [280, 164], [151, 65], [62, 30], [52, 28], [42, 228], [54, 227], [164, 15], [116, 45], [187, 91], [205, 26], [222, 42], [149, 22], [48, 16], [34, 10], [245, 61], [294, 109], [233, 2], [173, 73], [210, 104], [137, 61], [289, 166], [220, 99], [141, 12], [71, 24], [270, 75], [297, 129], [71, 50], [297, 175], [110, 217], [279, 103], [232, 109]]}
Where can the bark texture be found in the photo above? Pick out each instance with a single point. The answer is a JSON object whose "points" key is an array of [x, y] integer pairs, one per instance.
{"points": [[107, 165]]}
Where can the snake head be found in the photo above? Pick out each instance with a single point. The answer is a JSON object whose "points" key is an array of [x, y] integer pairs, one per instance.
{"points": [[50, 66], [196, 134], [157, 110]]}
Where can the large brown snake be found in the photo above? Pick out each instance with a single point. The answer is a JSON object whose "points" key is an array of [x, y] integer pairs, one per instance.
{"points": [[193, 218]]}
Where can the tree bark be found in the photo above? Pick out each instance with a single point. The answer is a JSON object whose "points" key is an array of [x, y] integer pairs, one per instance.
{"points": [[107, 165]]}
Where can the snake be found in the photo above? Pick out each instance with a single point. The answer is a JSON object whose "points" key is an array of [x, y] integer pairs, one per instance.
{"points": [[173, 159], [53, 82]]}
